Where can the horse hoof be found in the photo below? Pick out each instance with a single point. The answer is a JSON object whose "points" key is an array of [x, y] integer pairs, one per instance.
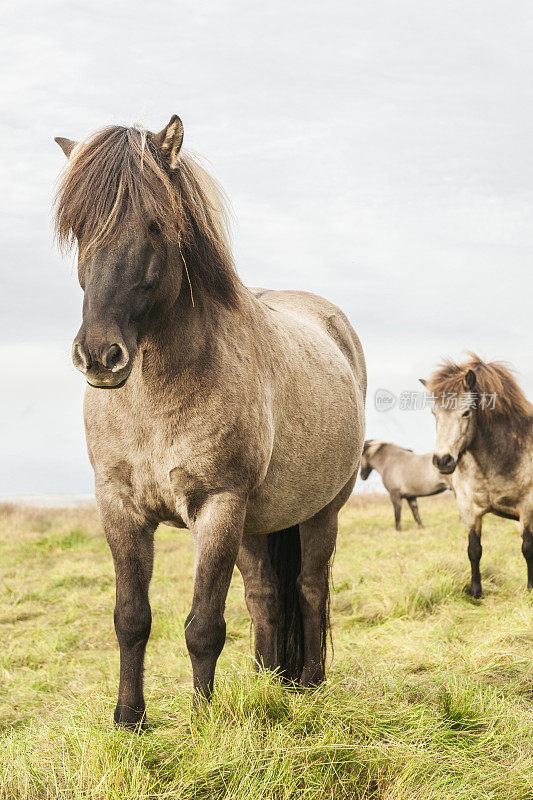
{"points": [[131, 719], [200, 702], [310, 682], [475, 591]]}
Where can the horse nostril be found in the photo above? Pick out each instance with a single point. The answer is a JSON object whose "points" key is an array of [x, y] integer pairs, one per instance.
{"points": [[115, 357], [445, 463], [80, 357]]}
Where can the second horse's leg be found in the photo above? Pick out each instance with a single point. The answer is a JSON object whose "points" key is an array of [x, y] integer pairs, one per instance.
{"points": [[413, 505], [396, 500], [474, 554], [527, 550]]}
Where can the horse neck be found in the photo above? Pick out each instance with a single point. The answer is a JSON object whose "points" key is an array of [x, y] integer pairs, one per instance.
{"points": [[498, 443], [379, 458], [183, 323], [181, 340]]}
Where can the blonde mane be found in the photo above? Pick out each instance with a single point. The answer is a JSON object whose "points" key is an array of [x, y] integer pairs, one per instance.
{"points": [[494, 379], [117, 175]]}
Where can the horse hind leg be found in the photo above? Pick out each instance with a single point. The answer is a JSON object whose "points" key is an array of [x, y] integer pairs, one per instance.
{"points": [[318, 536], [413, 505]]}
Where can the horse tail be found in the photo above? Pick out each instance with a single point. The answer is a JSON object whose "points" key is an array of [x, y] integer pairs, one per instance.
{"points": [[284, 550]]}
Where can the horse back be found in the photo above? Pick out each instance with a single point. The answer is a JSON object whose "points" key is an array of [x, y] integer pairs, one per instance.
{"points": [[327, 316]]}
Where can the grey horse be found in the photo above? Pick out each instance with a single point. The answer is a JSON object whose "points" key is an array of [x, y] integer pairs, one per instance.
{"points": [[485, 444], [405, 475], [236, 413]]}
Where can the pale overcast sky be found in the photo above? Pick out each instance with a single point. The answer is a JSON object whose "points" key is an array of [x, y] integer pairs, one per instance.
{"points": [[376, 152]]}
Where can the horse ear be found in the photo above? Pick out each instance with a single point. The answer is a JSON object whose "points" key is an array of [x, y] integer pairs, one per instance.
{"points": [[470, 380], [67, 145], [169, 141], [423, 382]]}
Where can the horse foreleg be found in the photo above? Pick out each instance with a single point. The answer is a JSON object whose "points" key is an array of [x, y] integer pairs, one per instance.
{"points": [[132, 546], [474, 554], [527, 551], [396, 500], [260, 591], [217, 527], [413, 505]]}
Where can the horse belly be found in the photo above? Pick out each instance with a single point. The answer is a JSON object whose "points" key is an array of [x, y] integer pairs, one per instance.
{"points": [[317, 450]]}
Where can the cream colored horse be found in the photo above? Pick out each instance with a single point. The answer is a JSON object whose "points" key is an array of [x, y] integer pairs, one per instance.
{"points": [[405, 475], [485, 444]]}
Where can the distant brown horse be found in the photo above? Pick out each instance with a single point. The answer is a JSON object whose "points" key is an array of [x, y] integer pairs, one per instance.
{"points": [[230, 411], [405, 475], [485, 442]]}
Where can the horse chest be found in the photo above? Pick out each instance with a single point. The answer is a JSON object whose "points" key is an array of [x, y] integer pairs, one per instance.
{"points": [[140, 475], [131, 455], [166, 464], [495, 493]]}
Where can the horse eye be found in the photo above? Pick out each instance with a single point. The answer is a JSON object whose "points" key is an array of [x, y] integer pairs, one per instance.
{"points": [[466, 413], [154, 228]]}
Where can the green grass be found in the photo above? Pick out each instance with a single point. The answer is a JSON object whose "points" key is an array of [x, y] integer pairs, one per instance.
{"points": [[429, 695]]}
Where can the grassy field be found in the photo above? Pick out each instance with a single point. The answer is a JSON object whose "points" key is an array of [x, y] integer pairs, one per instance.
{"points": [[430, 693]]}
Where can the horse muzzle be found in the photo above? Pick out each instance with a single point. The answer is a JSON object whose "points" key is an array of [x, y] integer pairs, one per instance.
{"points": [[104, 367], [445, 464]]}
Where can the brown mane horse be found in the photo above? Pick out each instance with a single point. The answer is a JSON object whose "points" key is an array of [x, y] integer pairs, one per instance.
{"points": [[233, 412], [485, 441]]}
